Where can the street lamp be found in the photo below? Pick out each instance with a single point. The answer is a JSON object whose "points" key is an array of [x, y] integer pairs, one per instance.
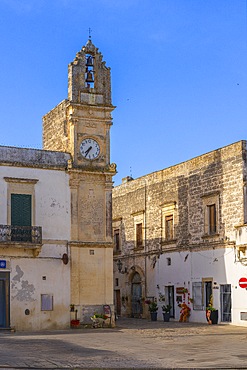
{"points": [[119, 266]]}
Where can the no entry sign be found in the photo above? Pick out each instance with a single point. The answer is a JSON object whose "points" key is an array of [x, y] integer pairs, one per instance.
{"points": [[243, 282]]}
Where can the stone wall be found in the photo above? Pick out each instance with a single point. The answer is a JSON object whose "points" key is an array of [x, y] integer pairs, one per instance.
{"points": [[55, 135], [194, 253], [220, 173]]}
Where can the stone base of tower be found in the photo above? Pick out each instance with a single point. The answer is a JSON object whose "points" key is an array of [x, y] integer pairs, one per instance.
{"points": [[92, 281], [86, 313]]}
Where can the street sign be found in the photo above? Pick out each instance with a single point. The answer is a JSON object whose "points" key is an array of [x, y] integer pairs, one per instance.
{"points": [[243, 282], [180, 290]]}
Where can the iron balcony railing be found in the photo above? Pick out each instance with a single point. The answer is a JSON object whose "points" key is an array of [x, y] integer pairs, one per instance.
{"points": [[25, 234]]}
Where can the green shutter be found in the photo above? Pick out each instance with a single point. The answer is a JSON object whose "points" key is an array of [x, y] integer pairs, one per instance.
{"points": [[21, 210]]}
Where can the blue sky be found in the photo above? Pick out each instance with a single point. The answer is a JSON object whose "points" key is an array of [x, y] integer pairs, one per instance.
{"points": [[179, 73]]}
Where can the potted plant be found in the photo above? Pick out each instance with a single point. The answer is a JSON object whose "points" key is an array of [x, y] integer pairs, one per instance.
{"points": [[75, 323], [166, 312], [99, 320], [211, 312], [153, 308]]}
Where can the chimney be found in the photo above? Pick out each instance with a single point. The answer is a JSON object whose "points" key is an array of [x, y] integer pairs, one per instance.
{"points": [[127, 179]]}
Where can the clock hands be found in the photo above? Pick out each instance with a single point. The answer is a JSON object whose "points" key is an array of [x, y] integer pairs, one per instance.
{"points": [[88, 150]]}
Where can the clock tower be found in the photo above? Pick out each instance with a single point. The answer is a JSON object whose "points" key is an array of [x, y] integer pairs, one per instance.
{"points": [[81, 126]]}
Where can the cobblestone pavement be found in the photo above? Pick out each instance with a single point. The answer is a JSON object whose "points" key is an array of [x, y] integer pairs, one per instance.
{"points": [[134, 343]]}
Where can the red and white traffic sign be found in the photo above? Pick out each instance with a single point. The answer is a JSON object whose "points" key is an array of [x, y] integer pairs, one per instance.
{"points": [[243, 282]]}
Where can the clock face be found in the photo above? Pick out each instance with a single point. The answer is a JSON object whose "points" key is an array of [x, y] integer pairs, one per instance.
{"points": [[89, 148]]}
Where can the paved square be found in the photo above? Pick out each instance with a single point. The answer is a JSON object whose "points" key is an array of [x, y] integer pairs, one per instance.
{"points": [[134, 343]]}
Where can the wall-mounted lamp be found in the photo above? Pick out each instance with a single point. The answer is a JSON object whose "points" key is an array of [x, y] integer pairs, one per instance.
{"points": [[119, 266]]}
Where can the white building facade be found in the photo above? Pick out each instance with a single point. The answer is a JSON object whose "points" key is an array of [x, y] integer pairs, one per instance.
{"points": [[34, 235]]}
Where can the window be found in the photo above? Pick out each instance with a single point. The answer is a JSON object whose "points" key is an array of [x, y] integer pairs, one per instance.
{"points": [[21, 217], [211, 214], [197, 296], [21, 201], [169, 227], [202, 292], [211, 211], [168, 213], [139, 235], [117, 227], [245, 204], [116, 240], [21, 209], [139, 222]]}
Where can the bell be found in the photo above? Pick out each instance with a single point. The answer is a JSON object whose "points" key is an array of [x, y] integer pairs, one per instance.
{"points": [[89, 61], [89, 77]]}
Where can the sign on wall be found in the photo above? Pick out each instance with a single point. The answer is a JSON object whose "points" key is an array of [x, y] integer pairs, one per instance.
{"points": [[243, 282], [2, 264]]}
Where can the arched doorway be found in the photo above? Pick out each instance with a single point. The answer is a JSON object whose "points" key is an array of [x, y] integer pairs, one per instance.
{"points": [[136, 295]]}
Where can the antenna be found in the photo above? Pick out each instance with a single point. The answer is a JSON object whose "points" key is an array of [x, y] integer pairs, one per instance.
{"points": [[89, 33], [130, 172]]}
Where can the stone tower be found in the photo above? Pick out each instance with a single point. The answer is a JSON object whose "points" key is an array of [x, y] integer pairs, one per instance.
{"points": [[81, 125]]}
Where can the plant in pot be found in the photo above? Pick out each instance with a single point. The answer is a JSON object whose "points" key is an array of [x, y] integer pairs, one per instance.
{"points": [[211, 313], [153, 308], [166, 308], [98, 320], [74, 323]]}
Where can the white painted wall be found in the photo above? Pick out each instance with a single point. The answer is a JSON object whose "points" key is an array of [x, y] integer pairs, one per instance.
{"points": [[186, 267], [32, 276], [52, 194], [27, 284]]}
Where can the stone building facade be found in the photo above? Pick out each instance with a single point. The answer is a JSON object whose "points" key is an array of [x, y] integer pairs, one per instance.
{"points": [[180, 234], [56, 247]]}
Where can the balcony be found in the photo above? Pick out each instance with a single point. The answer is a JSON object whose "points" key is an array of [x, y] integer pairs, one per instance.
{"points": [[20, 234]]}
